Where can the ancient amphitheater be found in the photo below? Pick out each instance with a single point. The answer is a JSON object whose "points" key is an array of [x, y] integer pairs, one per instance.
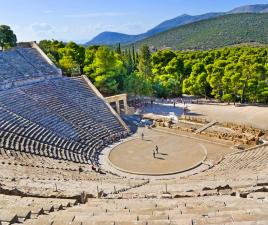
{"points": [[66, 157]]}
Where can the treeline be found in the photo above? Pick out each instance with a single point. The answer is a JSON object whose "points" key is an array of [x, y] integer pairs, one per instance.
{"points": [[230, 74]]}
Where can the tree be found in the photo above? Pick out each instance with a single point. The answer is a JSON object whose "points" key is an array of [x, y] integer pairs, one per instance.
{"points": [[7, 38], [160, 60], [166, 86], [167, 70], [128, 61], [175, 69], [196, 83], [247, 62], [118, 49], [228, 74], [256, 84], [215, 75], [69, 66], [51, 48], [72, 58], [144, 65], [134, 55], [136, 85], [90, 54], [107, 71]]}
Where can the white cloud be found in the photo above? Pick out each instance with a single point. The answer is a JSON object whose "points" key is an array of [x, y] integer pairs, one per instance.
{"points": [[82, 33], [74, 31], [42, 30], [92, 15]]}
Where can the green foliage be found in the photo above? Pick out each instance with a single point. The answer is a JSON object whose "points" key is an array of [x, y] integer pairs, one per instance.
{"points": [[213, 33], [138, 86], [229, 74], [72, 58], [168, 72], [7, 38], [107, 70], [227, 97], [129, 61], [90, 53], [144, 65], [51, 48]]}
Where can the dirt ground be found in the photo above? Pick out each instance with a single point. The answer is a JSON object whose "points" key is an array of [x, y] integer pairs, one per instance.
{"points": [[176, 153], [256, 116]]}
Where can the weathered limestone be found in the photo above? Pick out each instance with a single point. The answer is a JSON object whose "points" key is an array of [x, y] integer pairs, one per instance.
{"points": [[59, 118], [117, 99]]}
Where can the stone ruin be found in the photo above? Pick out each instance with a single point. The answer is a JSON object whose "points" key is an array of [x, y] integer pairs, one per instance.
{"points": [[237, 134]]}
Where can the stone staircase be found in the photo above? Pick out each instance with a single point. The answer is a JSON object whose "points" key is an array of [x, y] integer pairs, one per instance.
{"points": [[205, 127], [188, 211], [19, 209]]}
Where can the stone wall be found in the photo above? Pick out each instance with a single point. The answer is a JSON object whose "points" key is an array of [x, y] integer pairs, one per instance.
{"points": [[241, 136]]}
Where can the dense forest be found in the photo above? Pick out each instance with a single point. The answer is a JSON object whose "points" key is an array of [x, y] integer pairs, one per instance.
{"points": [[229, 74], [213, 33]]}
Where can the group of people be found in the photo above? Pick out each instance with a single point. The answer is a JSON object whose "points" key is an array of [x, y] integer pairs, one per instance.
{"points": [[140, 103], [114, 137], [156, 150], [96, 168]]}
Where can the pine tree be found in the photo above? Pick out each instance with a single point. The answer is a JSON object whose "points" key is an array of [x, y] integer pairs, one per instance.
{"points": [[144, 65], [118, 49]]}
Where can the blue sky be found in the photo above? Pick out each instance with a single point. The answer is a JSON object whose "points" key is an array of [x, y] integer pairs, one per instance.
{"points": [[81, 20]]}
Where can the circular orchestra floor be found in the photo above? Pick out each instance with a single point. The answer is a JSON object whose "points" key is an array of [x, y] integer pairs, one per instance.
{"points": [[175, 153]]}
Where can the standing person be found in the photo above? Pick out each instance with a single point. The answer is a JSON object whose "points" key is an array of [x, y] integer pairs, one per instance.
{"points": [[174, 104], [142, 136], [156, 149], [153, 153], [184, 110]]}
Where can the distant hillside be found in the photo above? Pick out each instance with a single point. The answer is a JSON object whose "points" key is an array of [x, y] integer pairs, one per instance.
{"points": [[179, 21], [111, 38], [213, 33], [260, 8]]}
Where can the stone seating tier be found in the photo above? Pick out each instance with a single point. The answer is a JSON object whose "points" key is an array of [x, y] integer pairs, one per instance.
{"points": [[50, 115], [24, 65]]}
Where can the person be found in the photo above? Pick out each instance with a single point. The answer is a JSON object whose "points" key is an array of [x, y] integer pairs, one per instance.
{"points": [[156, 149], [174, 104], [153, 153], [93, 167], [142, 135], [185, 110]]}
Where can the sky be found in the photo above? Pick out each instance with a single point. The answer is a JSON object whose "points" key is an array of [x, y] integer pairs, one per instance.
{"points": [[81, 20]]}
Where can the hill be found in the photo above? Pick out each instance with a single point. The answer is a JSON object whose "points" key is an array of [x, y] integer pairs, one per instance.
{"points": [[179, 21], [213, 33], [260, 8], [111, 38]]}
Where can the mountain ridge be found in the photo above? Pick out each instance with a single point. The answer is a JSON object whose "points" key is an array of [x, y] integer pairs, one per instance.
{"points": [[225, 30], [112, 38]]}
